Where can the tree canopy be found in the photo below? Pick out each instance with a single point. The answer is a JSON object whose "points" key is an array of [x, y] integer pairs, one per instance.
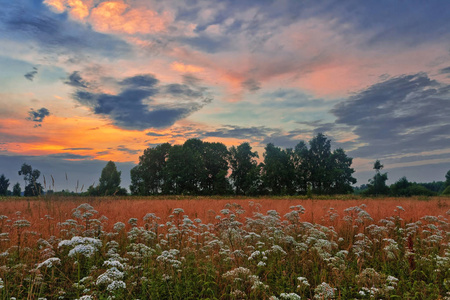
{"points": [[30, 175], [204, 168], [109, 182], [377, 185], [4, 184]]}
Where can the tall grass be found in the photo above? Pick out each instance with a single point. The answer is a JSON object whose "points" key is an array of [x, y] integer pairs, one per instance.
{"points": [[225, 249]]}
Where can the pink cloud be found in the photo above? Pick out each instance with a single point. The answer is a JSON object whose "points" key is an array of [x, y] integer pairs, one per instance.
{"points": [[112, 16]]}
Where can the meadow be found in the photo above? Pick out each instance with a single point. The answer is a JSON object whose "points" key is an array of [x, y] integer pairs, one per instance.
{"points": [[224, 248]]}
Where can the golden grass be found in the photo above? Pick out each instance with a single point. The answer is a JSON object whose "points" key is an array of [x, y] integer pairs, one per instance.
{"points": [[205, 208]]}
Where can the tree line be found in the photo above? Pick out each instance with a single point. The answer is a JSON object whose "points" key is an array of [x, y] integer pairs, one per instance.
{"points": [[402, 188], [207, 168]]}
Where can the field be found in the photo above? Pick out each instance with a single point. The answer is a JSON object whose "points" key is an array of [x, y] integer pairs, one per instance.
{"points": [[224, 248]]}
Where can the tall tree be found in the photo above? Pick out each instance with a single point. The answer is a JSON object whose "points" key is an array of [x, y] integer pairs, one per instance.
{"points": [[109, 182], [184, 171], [215, 157], [17, 191], [278, 170], [4, 184], [342, 178], [245, 171], [147, 178], [377, 185], [447, 184], [32, 187], [320, 164], [300, 165], [447, 179]]}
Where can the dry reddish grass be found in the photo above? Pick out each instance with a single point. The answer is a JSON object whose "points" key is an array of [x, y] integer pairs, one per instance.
{"points": [[122, 209]]}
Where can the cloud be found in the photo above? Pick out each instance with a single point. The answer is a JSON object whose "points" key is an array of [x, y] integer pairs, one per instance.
{"points": [[135, 106], [56, 34], [75, 80], [405, 114], [445, 70], [76, 149], [69, 156], [238, 132], [30, 75], [122, 148], [259, 135], [154, 134], [39, 115], [111, 16], [180, 67], [251, 85]]}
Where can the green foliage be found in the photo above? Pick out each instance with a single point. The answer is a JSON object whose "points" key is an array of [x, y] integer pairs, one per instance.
{"points": [[4, 184], [245, 171], [377, 185], [194, 168], [447, 179], [446, 191], [278, 171], [147, 178], [404, 188], [17, 191], [32, 187], [325, 171], [435, 186], [342, 178], [319, 164], [201, 168], [184, 170], [109, 182]]}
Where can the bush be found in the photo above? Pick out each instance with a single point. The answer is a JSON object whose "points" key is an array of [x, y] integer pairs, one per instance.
{"points": [[446, 191]]}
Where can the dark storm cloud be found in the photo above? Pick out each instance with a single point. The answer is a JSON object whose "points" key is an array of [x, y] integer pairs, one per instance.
{"points": [[128, 110], [38, 115], [75, 80], [401, 115], [27, 21], [30, 75]]}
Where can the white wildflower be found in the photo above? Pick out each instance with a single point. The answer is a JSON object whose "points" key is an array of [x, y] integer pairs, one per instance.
{"points": [[115, 285], [303, 281], [85, 297], [261, 264], [119, 226], [290, 296], [324, 291], [49, 263], [109, 276]]}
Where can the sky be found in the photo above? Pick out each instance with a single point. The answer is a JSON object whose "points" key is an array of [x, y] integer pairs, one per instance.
{"points": [[83, 82]]}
